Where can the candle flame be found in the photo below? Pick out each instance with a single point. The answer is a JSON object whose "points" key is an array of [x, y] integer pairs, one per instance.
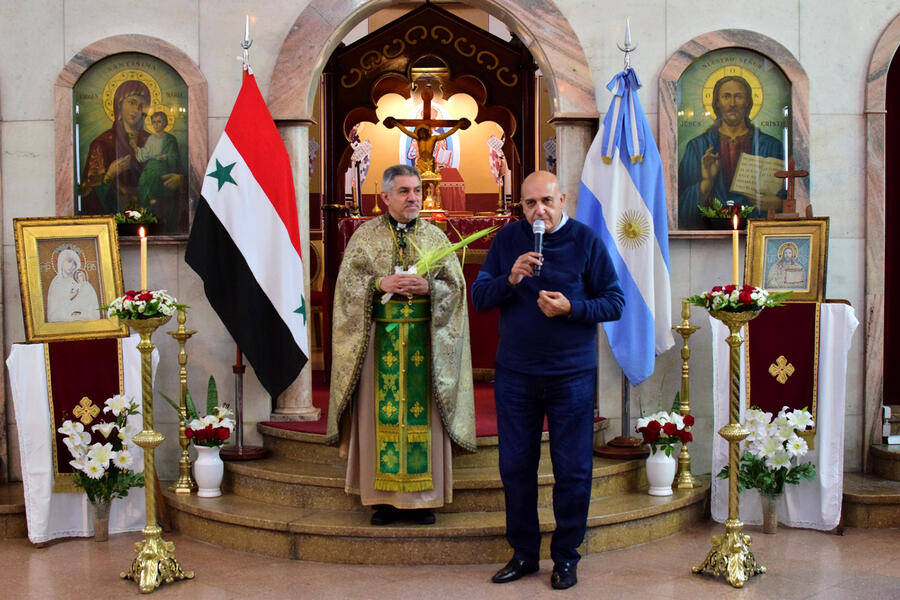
{"points": [[734, 221], [141, 232]]}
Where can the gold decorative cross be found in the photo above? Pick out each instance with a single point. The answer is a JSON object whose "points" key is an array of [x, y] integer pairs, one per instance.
{"points": [[86, 410], [389, 359], [781, 369], [417, 409], [417, 359]]}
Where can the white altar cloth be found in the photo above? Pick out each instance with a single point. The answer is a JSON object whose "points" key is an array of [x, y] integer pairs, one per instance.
{"points": [[49, 515], [813, 504]]}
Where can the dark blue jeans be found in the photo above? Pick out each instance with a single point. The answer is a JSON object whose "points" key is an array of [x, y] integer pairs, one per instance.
{"points": [[568, 401]]}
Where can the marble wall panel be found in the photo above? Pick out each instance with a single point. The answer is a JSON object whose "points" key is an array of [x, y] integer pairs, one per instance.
{"points": [[221, 26], [836, 48], [600, 26], [853, 450], [32, 32], [775, 18], [27, 166], [174, 21], [837, 173]]}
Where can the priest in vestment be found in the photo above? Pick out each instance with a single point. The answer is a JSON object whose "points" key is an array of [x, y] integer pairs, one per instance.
{"points": [[402, 367]]}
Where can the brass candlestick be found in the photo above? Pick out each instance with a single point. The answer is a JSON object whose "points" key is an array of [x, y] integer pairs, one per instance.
{"points": [[185, 483], [683, 479], [155, 562], [730, 554]]}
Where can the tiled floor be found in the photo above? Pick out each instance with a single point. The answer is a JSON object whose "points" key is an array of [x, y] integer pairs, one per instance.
{"points": [[863, 563]]}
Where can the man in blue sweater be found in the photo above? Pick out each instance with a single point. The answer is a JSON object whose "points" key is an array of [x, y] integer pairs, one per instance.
{"points": [[546, 365]]}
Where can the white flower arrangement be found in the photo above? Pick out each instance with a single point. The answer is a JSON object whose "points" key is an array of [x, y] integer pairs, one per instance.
{"points": [[774, 442], [103, 469], [143, 305]]}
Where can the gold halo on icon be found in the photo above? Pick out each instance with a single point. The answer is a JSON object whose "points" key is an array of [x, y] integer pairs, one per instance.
{"points": [[109, 90], [786, 245], [70, 246], [170, 116], [729, 71]]}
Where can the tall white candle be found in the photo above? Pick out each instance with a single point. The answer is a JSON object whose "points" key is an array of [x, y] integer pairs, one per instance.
{"points": [[734, 250], [143, 259]]}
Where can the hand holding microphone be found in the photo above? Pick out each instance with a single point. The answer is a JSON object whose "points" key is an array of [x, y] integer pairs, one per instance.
{"points": [[529, 264], [538, 228]]}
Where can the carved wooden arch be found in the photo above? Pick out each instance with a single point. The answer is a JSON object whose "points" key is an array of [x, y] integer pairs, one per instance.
{"points": [[62, 111], [499, 75], [876, 225], [680, 60], [322, 25]]}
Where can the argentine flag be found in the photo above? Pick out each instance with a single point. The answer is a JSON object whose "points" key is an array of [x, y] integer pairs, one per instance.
{"points": [[623, 198]]}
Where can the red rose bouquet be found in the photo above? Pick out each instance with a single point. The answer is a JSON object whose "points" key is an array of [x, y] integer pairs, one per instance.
{"points": [[662, 430], [213, 429]]}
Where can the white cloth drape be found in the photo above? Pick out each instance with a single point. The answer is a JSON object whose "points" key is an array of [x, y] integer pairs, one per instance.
{"points": [[50, 516], [814, 504]]}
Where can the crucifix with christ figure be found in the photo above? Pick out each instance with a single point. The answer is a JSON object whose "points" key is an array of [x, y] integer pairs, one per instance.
{"points": [[421, 133]]}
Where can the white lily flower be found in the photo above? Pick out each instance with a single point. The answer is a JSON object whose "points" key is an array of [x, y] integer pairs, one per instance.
{"points": [[101, 453], [227, 423], [782, 458], [769, 447], [800, 419], [678, 420], [80, 462], [642, 422], [117, 404], [104, 428], [76, 448], [70, 427]]}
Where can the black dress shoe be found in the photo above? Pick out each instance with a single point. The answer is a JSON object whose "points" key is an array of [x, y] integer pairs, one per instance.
{"points": [[564, 575], [423, 516], [515, 569], [385, 514]]}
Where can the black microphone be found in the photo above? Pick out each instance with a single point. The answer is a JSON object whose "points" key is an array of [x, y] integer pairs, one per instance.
{"points": [[538, 227]]}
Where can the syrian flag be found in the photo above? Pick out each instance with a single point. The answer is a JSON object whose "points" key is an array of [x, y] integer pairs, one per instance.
{"points": [[245, 243]]}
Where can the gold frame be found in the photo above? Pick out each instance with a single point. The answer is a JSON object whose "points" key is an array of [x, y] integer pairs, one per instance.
{"points": [[29, 232], [762, 231]]}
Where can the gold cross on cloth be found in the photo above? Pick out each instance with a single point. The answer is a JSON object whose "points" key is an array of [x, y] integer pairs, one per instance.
{"points": [[781, 369], [86, 410]]}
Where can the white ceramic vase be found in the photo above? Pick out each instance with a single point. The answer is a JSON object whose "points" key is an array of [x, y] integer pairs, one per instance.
{"points": [[661, 472], [208, 471]]}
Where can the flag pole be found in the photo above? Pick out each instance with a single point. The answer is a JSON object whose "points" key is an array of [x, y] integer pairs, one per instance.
{"points": [[239, 451]]}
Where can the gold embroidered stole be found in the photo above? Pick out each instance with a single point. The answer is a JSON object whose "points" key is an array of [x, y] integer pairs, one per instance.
{"points": [[402, 394]]}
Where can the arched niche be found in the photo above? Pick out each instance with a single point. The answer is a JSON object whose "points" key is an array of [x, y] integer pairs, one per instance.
{"points": [[876, 110], [186, 68], [667, 138]]}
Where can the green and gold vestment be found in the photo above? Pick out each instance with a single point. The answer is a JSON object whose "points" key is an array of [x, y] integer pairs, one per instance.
{"points": [[436, 357]]}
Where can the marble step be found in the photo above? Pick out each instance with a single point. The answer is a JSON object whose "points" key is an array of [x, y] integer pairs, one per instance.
{"points": [[320, 485], [870, 501], [886, 461], [311, 447], [12, 511], [341, 536]]}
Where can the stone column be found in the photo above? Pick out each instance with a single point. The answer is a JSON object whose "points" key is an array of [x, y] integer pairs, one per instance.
{"points": [[295, 404], [574, 134]]}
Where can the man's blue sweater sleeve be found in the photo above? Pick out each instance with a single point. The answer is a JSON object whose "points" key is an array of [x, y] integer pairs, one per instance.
{"points": [[491, 288], [605, 299]]}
